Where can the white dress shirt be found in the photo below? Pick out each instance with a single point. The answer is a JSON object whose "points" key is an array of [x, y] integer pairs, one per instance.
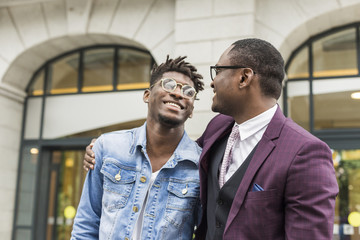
{"points": [[251, 132]]}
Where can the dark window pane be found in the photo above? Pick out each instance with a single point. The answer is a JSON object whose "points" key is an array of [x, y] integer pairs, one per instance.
{"points": [[37, 86], [63, 75], [133, 69], [298, 102], [335, 55], [33, 118], [299, 66], [27, 186], [23, 234], [98, 70], [333, 105]]}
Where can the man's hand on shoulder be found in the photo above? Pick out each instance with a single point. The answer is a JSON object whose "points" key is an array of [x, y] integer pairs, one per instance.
{"points": [[89, 156]]}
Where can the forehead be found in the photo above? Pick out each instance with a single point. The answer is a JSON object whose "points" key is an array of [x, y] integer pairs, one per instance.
{"points": [[179, 77], [224, 59]]}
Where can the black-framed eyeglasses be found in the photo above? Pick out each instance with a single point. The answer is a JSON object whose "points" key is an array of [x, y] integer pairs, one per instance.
{"points": [[170, 85], [214, 70]]}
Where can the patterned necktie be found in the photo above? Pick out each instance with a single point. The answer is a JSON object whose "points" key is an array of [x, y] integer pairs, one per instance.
{"points": [[234, 135]]}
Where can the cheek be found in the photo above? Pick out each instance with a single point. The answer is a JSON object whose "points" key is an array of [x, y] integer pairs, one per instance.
{"points": [[190, 108]]}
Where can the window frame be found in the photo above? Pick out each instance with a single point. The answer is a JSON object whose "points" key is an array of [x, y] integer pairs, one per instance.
{"points": [[45, 67], [328, 135]]}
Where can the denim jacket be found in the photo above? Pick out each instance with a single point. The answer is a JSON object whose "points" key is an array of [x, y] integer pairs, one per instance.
{"points": [[114, 192]]}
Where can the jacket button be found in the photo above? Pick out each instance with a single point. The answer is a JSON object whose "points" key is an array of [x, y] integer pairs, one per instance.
{"points": [[135, 209], [218, 224], [220, 202], [143, 179], [126, 238]]}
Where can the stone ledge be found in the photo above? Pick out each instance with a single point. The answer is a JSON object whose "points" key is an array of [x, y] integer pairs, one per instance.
{"points": [[12, 93]]}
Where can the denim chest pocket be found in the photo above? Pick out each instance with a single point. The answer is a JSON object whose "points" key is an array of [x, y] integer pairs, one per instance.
{"points": [[181, 201], [118, 183]]}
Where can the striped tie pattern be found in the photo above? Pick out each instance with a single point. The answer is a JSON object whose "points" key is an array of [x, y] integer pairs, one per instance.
{"points": [[234, 135]]}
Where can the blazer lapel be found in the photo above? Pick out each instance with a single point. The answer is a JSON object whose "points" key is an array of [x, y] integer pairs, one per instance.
{"points": [[265, 147], [221, 130]]}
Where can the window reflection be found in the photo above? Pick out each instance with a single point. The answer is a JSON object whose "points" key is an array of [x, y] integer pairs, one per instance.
{"points": [[37, 86], [333, 105], [335, 54], [93, 70], [65, 185], [98, 70], [133, 69], [298, 102], [299, 67], [347, 168], [63, 75], [25, 210]]}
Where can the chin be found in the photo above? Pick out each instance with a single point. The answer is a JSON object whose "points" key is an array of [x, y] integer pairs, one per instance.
{"points": [[214, 108], [171, 122]]}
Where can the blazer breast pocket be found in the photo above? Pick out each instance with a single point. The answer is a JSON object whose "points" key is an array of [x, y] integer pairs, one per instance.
{"points": [[265, 198], [265, 211]]}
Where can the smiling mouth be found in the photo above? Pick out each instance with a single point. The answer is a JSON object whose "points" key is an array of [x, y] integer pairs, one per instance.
{"points": [[174, 105]]}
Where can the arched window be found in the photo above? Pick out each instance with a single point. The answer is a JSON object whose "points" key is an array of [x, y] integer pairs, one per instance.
{"points": [[322, 95], [93, 69], [323, 81]]}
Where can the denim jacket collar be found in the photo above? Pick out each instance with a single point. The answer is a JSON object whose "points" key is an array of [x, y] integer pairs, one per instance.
{"points": [[185, 151]]}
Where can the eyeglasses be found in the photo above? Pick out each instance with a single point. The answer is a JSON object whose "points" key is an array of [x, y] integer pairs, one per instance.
{"points": [[170, 85], [215, 70]]}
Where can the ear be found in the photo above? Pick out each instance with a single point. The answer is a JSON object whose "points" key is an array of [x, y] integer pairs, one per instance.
{"points": [[246, 77], [146, 95]]}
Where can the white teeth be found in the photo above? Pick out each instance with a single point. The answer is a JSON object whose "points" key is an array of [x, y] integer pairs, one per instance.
{"points": [[173, 104]]}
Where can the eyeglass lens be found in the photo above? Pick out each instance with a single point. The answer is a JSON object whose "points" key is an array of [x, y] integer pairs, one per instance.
{"points": [[213, 72], [170, 85]]}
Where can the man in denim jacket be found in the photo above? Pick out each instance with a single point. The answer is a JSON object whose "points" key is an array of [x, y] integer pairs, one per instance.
{"points": [[146, 181]]}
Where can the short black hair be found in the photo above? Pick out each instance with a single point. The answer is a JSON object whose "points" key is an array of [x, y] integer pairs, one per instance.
{"points": [[177, 65], [264, 59]]}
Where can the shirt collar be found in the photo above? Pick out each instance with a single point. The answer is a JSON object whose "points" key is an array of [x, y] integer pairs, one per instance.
{"points": [[255, 124], [187, 149]]}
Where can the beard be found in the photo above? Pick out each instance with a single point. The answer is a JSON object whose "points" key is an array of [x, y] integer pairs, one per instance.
{"points": [[170, 122]]}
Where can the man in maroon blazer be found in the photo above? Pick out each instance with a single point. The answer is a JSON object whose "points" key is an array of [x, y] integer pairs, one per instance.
{"points": [[279, 181], [284, 186]]}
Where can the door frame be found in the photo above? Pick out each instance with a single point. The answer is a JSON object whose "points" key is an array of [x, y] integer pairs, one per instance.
{"points": [[41, 203]]}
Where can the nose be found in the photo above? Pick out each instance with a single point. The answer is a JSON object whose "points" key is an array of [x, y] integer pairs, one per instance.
{"points": [[212, 84], [177, 92]]}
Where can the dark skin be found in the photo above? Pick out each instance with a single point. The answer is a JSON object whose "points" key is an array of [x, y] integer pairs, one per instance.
{"points": [[167, 113], [232, 87], [240, 88]]}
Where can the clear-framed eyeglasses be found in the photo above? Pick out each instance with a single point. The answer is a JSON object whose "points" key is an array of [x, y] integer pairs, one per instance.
{"points": [[170, 85]]}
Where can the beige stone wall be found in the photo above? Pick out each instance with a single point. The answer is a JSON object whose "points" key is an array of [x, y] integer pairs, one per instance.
{"points": [[11, 107]]}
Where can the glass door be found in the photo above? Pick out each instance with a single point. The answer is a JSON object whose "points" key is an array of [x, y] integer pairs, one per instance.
{"points": [[347, 211], [66, 178]]}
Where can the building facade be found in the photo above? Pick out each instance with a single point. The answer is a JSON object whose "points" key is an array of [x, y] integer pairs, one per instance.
{"points": [[71, 69]]}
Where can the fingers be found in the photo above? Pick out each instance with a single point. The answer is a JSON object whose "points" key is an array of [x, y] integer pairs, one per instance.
{"points": [[89, 156], [87, 165], [90, 152]]}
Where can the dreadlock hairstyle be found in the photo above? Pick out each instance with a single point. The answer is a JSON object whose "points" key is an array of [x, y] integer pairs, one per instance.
{"points": [[180, 66]]}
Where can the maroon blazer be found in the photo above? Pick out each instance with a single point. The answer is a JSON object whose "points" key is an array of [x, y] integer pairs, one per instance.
{"points": [[296, 171]]}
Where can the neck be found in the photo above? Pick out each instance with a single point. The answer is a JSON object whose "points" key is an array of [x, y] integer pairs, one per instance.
{"points": [[161, 142], [252, 110]]}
